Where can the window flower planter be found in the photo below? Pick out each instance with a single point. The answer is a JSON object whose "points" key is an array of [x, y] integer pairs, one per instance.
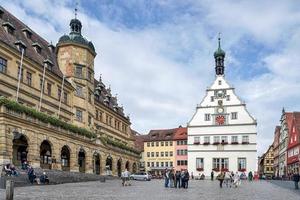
{"points": [[199, 169], [224, 143], [216, 169], [242, 170], [196, 142], [216, 143], [234, 143], [245, 142], [205, 143], [224, 170]]}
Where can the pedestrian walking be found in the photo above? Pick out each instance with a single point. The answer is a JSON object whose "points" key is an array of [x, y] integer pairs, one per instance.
{"points": [[166, 177], [126, 177], [227, 179], [296, 178], [220, 177], [236, 180], [250, 176], [212, 175], [171, 178], [186, 179]]}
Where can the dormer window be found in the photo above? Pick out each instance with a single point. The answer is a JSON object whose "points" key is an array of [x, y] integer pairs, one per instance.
{"points": [[9, 27], [49, 64], [51, 47], [20, 45], [37, 47], [27, 32]]}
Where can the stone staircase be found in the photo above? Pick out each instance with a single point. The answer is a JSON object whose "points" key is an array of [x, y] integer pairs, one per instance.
{"points": [[55, 177]]}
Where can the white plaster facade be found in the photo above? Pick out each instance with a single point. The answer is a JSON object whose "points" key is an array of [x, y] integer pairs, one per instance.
{"points": [[221, 114]]}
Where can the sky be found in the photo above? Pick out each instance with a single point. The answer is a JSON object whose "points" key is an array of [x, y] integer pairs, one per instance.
{"points": [[157, 55]]}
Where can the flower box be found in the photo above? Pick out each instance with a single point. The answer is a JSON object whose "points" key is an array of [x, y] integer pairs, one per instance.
{"points": [[205, 143], [224, 170], [224, 143], [234, 143], [216, 169], [216, 143], [196, 142], [245, 142], [242, 170], [199, 169]]}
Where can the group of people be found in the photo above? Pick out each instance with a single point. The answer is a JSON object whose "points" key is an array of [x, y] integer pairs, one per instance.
{"points": [[296, 179], [10, 170], [178, 179], [43, 179], [230, 179]]}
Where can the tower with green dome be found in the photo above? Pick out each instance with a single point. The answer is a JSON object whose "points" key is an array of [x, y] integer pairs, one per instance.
{"points": [[219, 59]]}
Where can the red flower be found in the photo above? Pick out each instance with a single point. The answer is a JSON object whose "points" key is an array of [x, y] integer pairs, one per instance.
{"points": [[216, 169], [199, 169], [196, 142], [224, 170], [242, 170]]}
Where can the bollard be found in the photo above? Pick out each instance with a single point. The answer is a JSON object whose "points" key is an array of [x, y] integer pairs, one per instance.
{"points": [[9, 189]]}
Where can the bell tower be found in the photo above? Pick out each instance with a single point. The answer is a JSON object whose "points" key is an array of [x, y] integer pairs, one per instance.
{"points": [[219, 59]]}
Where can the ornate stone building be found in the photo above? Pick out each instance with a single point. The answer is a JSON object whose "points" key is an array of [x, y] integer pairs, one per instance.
{"points": [[53, 113]]}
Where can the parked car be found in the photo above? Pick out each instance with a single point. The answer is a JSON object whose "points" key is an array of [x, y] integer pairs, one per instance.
{"points": [[141, 176]]}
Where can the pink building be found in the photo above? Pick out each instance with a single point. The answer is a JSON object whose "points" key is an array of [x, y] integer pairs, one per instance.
{"points": [[180, 141]]}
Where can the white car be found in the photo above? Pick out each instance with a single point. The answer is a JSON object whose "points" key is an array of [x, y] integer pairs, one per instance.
{"points": [[141, 176]]}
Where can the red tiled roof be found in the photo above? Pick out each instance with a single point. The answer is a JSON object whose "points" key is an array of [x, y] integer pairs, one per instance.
{"points": [[161, 135], [181, 134], [139, 141]]}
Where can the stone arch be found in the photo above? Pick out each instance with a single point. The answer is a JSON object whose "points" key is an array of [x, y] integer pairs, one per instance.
{"points": [[127, 165], [96, 163], [134, 170], [20, 148], [65, 156], [81, 160], [119, 167], [46, 154], [109, 165]]}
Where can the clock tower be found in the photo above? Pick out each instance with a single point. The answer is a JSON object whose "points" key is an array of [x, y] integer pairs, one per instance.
{"points": [[226, 130]]}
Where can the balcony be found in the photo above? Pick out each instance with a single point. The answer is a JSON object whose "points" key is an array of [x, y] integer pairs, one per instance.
{"points": [[196, 143]]}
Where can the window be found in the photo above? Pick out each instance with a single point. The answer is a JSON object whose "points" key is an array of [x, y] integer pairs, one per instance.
{"points": [[90, 120], [90, 97], [148, 154], [79, 115], [167, 144], [241, 164], [178, 162], [162, 144], [162, 164], [207, 117], [212, 98], [148, 144], [79, 91], [41, 84], [206, 139], [171, 153], [49, 89], [157, 154], [89, 75], [3, 65], [228, 98], [220, 163], [220, 82], [157, 164], [171, 164], [216, 139], [152, 144], [196, 140], [167, 164], [157, 144], [148, 164], [224, 139], [152, 154], [234, 115], [199, 163], [267, 161], [58, 93], [97, 115], [78, 71], [166, 154], [171, 143], [161, 154], [20, 76], [28, 78], [234, 139], [245, 139], [152, 164]]}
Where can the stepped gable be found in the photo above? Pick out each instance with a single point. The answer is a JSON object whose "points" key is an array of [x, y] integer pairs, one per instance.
{"points": [[297, 120], [34, 40], [103, 96], [161, 135], [181, 134]]}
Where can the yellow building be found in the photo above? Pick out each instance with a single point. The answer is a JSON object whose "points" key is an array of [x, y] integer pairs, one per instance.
{"points": [[159, 151], [265, 163], [53, 113]]}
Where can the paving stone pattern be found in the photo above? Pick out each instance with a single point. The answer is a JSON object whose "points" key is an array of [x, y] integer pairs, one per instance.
{"points": [[154, 190]]}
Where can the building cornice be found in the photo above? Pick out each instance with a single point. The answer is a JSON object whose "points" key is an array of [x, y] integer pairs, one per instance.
{"points": [[212, 134], [226, 125]]}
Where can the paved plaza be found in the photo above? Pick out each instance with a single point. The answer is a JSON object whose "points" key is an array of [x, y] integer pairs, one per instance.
{"points": [[154, 190]]}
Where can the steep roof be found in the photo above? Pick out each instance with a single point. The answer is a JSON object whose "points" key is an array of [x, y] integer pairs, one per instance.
{"points": [[139, 141], [161, 135], [181, 134], [34, 40]]}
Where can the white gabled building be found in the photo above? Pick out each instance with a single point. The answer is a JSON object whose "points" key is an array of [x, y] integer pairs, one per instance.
{"points": [[222, 133]]}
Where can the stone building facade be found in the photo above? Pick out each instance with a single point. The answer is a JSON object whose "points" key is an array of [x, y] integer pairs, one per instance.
{"points": [[53, 113]]}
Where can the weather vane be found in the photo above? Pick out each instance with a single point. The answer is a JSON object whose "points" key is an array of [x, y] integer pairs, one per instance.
{"points": [[76, 9]]}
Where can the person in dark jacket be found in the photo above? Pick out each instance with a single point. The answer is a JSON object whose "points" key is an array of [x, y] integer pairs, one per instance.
{"points": [[186, 179], [296, 178], [44, 178], [31, 174], [212, 175], [177, 179]]}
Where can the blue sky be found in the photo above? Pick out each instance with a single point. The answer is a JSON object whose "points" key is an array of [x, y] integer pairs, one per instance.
{"points": [[158, 54]]}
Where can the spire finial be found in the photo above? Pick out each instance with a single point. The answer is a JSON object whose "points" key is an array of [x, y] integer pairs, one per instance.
{"points": [[100, 78], [76, 9], [219, 40]]}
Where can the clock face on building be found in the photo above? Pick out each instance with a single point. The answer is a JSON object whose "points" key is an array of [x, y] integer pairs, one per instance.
{"points": [[220, 110], [220, 120]]}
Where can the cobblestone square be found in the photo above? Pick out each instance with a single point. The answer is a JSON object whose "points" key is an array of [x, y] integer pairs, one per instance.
{"points": [[112, 190]]}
